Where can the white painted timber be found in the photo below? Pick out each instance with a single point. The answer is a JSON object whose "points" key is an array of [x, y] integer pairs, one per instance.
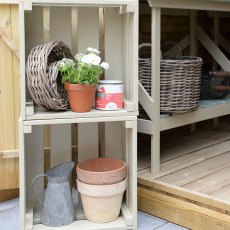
{"points": [[123, 222], [131, 160], [81, 30], [29, 108], [145, 126], [81, 120], [156, 53], [34, 160], [128, 105], [198, 115], [118, 224], [216, 53], [89, 3], [41, 114], [128, 217], [27, 129], [192, 45], [22, 181], [22, 62], [145, 100], [29, 217]]}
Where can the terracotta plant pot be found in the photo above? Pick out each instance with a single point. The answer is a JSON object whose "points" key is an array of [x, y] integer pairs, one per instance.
{"points": [[101, 171], [81, 97], [101, 203]]}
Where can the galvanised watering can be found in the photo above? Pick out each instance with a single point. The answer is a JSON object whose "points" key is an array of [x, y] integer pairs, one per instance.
{"points": [[57, 208]]}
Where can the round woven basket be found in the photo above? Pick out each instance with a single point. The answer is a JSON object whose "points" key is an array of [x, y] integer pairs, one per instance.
{"points": [[43, 78], [216, 85], [144, 70], [180, 79]]}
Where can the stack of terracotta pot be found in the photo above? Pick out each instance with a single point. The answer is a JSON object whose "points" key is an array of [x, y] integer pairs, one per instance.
{"points": [[101, 183]]}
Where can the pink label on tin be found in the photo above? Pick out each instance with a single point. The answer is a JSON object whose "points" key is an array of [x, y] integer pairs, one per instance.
{"points": [[107, 100]]}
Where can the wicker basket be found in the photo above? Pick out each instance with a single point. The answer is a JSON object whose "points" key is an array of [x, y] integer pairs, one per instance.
{"points": [[43, 78], [144, 70], [180, 84], [180, 79], [216, 85]]}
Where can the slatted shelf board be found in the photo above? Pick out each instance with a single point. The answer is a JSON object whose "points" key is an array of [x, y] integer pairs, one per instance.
{"points": [[70, 117], [124, 221], [207, 109]]}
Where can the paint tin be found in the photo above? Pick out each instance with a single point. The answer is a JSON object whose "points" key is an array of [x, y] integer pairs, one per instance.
{"points": [[109, 95]]}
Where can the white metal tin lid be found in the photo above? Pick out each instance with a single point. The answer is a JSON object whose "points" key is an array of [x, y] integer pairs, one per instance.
{"points": [[110, 82]]}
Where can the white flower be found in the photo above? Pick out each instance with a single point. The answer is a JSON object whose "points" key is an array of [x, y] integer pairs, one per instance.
{"points": [[92, 50], [62, 64], [91, 59], [67, 62], [79, 56], [104, 65]]}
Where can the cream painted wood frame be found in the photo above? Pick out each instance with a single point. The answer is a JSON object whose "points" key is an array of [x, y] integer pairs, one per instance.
{"points": [[76, 22]]}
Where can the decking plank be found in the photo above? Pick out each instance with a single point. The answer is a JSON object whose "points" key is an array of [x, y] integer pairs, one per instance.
{"points": [[197, 171]]}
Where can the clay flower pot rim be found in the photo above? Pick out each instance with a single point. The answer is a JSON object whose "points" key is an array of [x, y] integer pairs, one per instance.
{"points": [[100, 159], [102, 190], [70, 86], [101, 171]]}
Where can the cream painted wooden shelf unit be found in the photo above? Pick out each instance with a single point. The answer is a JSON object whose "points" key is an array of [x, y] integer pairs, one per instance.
{"points": [[111, 26], [151, 104]]}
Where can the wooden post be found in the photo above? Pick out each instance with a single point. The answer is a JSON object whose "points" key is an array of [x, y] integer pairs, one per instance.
{"points": [[155, 138]]}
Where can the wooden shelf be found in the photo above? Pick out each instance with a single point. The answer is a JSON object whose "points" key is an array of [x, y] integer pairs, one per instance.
{"points": [[42, 116], [99, 3], [207, 109], [124, 221], [87, 225]]}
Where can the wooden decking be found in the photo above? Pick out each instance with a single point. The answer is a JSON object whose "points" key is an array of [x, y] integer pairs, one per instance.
{"points": [[194, 180]]}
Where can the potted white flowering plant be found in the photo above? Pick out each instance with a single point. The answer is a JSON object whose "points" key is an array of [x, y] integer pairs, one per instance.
{"points": [[80, 78]]}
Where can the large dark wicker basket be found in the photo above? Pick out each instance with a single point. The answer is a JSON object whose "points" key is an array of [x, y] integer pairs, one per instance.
{"points": [[216, 85], [180, 84], [180, 79], [43, 78], [144, 70]]}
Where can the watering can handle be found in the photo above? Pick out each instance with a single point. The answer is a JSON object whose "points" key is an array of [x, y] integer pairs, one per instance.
{"points": [[32, 187]]}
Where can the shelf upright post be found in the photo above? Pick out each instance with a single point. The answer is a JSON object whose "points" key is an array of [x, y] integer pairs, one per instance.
{"points": [[193, 46], [155, 94]]}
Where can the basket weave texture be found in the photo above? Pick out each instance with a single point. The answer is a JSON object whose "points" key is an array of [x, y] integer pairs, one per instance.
{"points": [[180, 80], [216, 85], [144, 70], [43, 78]]}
